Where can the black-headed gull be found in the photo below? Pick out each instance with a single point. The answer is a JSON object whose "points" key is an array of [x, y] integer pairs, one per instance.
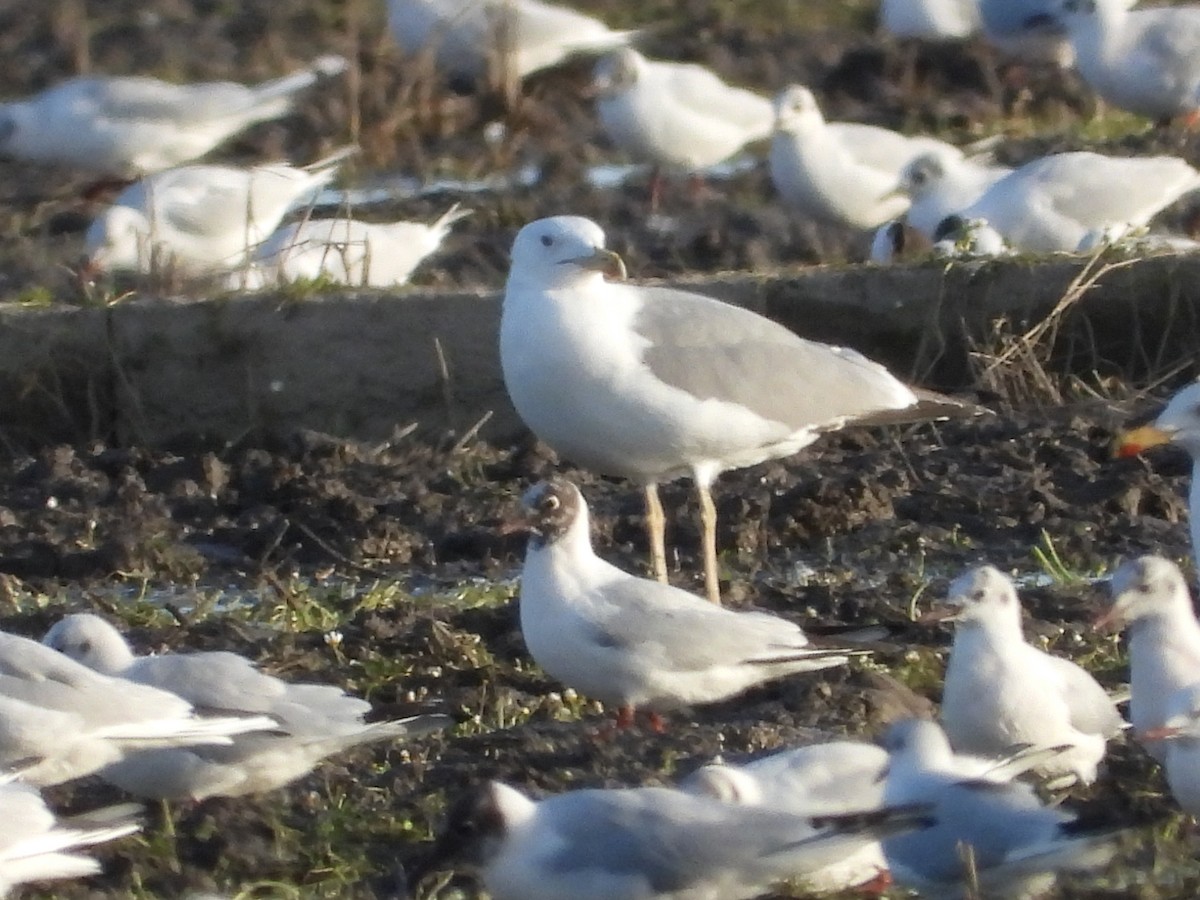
{"points": [[1050, 204], [60, 720], [938, 185], [313, 720], [677, 116], [633, 643], [507, 39], [1146, 61], [930, 20], [1178, 743], [1016, 843], [1025, 30], [653, 383], [841, 172], [201, 220], [344, 251], [35, 845], [130, 126], [1000, 691], [647, 843], [1150, 598]]}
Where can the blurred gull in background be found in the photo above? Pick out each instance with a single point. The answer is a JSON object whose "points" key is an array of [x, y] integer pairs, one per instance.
{"points": [[1050, 204], [1146, 61], [201, 220], [841, 172], [678, 116], [131, 126], [344, 251], [930, 20], [472, 39]]}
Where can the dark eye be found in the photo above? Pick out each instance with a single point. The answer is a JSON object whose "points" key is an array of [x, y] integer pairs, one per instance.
{"points": [[547, 240], [978, 596], [85, 646]]}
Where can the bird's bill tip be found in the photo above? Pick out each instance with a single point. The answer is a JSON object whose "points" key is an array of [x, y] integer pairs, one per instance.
{"points": [[1109, 620], [1136, 440], [604, 261]]}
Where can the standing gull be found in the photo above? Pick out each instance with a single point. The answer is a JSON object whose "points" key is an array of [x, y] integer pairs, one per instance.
{"points": [[930, 20], [633, 643], [649, 843], [127, 127], [1016, 843], [314, 720], [200, 220], [1150, 598], [675, 115], [471, 39], [1177, 741], [653, 383], [1000, 691], [1178, 424]]}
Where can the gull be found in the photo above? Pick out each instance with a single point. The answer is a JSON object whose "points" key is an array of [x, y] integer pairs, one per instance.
{"points": [[930, 20], [1146, 61], [1024, 29], [1151, 599], [939, 185], [35, 845], [653, 383], [201, 220], [821, 779], [1016, 843], [60, 720], [344, 251], [1001, 691], [842, 172], [313, 720], [649, 843], [631, 642], [127, 127], [1050, 204], [471, 39], [675, 115], [1178, 424], [1180, 746]]}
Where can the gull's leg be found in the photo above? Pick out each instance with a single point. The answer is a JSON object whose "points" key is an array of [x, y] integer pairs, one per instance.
{"points": [[656, 526], [708, 522]]}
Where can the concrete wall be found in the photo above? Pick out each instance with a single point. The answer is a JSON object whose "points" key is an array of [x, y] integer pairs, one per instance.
{"points": [[157, 371]]}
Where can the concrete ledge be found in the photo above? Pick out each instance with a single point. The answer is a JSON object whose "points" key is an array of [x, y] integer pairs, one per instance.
{"points": [[361, 364]]}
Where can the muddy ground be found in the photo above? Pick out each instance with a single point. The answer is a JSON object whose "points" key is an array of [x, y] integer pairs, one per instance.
{"points": [[396, 548]]}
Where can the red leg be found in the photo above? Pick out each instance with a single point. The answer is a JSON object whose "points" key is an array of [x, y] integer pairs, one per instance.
{"points": [[656, 723], [877, 885], [626, 716]]}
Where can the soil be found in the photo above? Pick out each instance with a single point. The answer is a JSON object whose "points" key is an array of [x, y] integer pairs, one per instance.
{"points": [[853, 532]]}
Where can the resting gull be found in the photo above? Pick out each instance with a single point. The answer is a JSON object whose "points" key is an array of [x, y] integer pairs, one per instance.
{"points": [[60, 720], [314, 720], [1016, 843], [35, 845], [653, 383], [1002, 691], [201, 220], [649, 843]]}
